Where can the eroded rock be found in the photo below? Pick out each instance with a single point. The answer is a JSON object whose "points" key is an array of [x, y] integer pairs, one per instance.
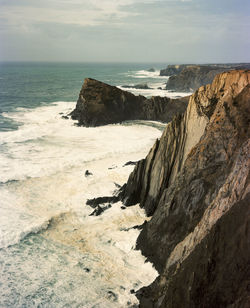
{"points": [[100, 104]]}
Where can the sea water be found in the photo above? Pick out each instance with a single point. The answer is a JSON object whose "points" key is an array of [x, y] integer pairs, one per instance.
{"points": [[52, 253]]}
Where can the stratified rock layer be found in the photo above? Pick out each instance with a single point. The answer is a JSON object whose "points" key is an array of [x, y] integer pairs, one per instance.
{"points": [[100, 104], [194, 182]]}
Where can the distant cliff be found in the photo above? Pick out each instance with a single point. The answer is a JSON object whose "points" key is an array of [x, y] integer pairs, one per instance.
{"points": [[195, 182], [100, 104], [188, 77], [173, 69]]}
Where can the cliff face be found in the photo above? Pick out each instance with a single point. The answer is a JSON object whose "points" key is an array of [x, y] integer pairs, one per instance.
{"points": [[100, 104], [192, 77], [173, 69], [195, 183], [188, 77]]}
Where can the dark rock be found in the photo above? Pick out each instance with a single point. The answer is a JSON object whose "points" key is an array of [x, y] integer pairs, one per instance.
{"points": [[123, 207], [117, 185], [151, 70], [101, 104], [113, 167], [101, 200], [143, 86], [65, 117], [87, 173], [112, 296], [129, 163], [99, 210], [139, 227], [195, 182], [215, 274]]}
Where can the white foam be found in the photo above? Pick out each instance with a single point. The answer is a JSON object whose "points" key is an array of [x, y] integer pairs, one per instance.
{"points": [[155, 91], [16, 220], [47, 158], [46, 143], [50, 155], [147, 74]]}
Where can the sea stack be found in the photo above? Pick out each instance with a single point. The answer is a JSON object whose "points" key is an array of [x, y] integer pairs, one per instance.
{"points": [[101, 104], [195, 183]]}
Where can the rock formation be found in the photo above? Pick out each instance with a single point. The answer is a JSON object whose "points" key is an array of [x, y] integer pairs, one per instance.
{"points": [[100, 104], [195, 182], [173, 69], [188, 77], [192, 77]]}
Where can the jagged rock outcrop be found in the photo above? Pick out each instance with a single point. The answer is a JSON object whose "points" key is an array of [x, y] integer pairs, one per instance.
{"points": [[188, 77], [195, 183], [100, 104]]}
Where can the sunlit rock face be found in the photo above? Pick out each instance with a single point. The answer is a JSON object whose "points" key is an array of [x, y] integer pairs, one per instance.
{"points": [[195, 183]]}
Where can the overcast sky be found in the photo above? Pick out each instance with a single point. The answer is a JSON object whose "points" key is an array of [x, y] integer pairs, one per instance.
{"points": [[125, 30]]}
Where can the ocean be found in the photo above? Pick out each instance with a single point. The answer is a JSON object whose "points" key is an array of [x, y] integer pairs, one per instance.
{"points": [[52, 253]]}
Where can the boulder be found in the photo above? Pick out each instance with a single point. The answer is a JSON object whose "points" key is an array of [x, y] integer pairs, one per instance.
{"points": [[87, 173]]}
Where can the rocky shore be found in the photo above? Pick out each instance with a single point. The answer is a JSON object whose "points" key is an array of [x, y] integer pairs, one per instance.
{"points": [[189, 77], [195, 184], [101, 104]]}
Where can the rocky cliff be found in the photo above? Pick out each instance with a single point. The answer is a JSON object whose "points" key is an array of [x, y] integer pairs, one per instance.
{"points": [[195, 183], [100, 104], [188, 77], [173, 69], [192, 77]]}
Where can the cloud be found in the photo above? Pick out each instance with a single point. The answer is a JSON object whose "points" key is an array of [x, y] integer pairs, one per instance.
{"points": [[85, 30], [78, 12]]}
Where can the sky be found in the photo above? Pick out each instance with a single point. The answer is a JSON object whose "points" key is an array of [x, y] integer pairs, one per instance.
{"points": [[172, 31]]}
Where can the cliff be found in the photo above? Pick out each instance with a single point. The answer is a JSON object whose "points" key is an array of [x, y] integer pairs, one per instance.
{"points": [[173, 69], [195, 183], [192, 77], [188, 77], [100, 104]]}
